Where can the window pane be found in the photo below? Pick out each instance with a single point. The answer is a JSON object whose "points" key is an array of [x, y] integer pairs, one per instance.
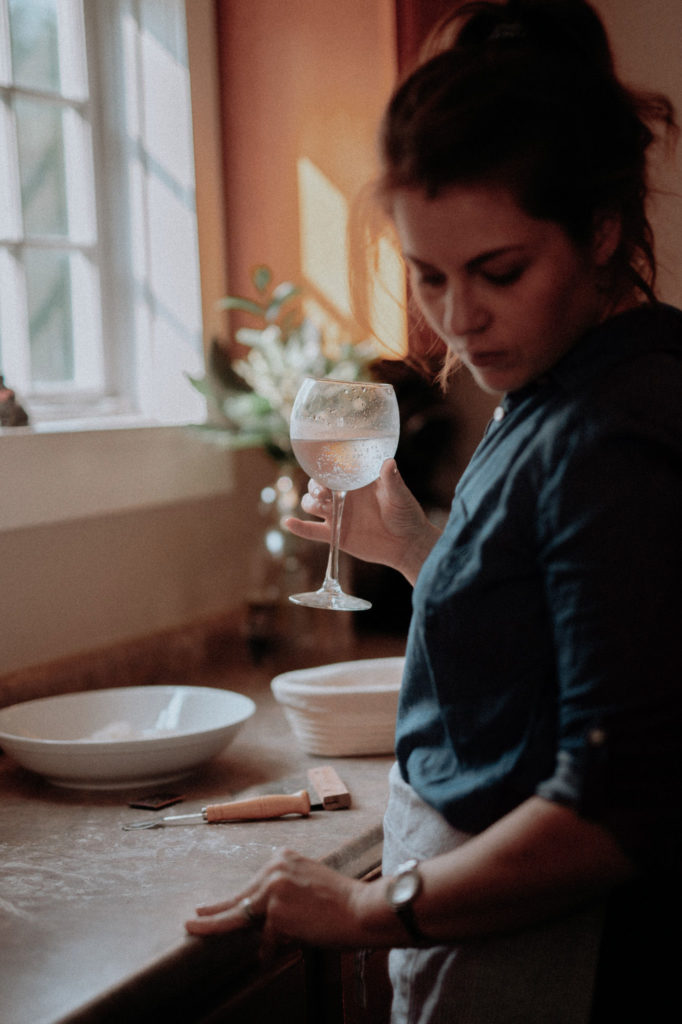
{"points": [[48, 286], [41, 159], [35, 54]]}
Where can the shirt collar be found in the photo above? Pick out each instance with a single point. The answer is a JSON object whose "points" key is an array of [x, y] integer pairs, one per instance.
{"points": [[605, 345]]}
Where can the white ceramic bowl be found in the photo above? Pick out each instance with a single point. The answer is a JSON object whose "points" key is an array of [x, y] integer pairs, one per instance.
{"points": [[124, 737], [345, 709]]}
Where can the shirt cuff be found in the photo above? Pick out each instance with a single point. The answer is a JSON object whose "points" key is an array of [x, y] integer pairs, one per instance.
{"points": [[579, 778]]}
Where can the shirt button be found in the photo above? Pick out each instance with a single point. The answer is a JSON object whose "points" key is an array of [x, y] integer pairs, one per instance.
{"points": [[596, 737], [498, 413]]}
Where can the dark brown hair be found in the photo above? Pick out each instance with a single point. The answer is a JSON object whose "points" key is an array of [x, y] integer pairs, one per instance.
{"points": [[524, 94]]}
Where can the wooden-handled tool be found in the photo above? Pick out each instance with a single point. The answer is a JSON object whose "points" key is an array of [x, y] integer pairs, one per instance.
{"points": [[256, 808], [270, 805], [332, 793]]}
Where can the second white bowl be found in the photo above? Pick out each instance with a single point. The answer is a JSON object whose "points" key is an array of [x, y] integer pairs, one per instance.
{"points": [[345, 709]]}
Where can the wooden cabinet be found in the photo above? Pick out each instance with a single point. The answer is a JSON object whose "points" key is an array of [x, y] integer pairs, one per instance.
{"points": [[278, 996], [315, 987]]}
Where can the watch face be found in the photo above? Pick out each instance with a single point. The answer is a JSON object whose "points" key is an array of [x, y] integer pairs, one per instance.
{"points": [[405, 888]]}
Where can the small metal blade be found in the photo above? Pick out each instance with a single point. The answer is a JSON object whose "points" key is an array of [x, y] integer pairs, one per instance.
{"points": [[172, 819]]}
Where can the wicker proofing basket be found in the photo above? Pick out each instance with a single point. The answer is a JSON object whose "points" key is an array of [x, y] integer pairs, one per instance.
{"points": [[345, 709]]}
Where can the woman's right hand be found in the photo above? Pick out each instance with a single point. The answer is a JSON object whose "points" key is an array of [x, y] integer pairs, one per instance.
{"points": [[381, 523]]}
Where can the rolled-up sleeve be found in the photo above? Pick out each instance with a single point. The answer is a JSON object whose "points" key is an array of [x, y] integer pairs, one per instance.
{"points": [[610, 526]]}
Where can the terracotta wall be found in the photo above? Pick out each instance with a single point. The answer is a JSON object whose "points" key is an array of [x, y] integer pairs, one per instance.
{"points": [[309, 78], [302, 80]]}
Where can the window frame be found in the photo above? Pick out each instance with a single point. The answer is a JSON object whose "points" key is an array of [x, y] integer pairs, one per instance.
{"points": [[79, 243], [72, 469], [131, 368]]}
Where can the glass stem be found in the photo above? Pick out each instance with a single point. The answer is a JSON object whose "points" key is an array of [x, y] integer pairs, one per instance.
{"points": [[331, 579]]}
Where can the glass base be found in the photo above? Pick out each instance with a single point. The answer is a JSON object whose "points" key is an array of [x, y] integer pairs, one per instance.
{"points": [[334, 600]]}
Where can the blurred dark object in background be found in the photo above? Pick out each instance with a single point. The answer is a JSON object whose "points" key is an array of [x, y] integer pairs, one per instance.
{"points": [[426, 458]]}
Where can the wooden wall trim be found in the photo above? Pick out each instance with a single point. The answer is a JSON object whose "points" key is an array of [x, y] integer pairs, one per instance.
{"points": [[414, 19]]}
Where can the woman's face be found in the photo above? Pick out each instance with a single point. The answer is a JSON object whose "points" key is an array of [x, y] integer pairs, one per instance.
{"points": [[507, 293]]}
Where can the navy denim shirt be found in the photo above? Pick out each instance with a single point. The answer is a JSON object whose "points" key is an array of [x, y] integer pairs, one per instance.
{"points": [[545, 649]]}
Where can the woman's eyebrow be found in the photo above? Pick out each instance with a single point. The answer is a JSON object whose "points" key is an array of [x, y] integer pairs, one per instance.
{"points": [[420, 264], [491, 254], [473, 263]]}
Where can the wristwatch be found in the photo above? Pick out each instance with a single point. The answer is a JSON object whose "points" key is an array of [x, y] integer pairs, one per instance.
{"points": [[401, 891]]}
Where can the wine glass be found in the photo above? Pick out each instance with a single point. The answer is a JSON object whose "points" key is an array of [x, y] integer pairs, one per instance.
{"points": [[341, 433]]}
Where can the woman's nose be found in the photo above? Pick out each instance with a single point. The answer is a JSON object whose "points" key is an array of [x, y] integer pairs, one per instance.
{"points": [[462, 312]]}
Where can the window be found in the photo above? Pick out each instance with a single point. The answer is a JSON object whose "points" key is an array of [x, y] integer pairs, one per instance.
{"points": [[99, 285]]}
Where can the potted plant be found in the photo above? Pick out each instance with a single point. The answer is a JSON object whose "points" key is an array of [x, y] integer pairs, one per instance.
{"points": [[250, 394]]}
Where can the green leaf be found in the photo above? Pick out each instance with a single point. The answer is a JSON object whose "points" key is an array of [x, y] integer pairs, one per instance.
{"points": [[245, 407], [201, 384], [244, 305], [261, 277], [277, 452]]}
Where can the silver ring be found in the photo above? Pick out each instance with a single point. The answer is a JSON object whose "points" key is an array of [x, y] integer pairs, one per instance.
{"points": [[250, 915]]}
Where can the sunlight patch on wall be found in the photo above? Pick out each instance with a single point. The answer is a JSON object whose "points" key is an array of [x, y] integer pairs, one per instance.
{"points": [[324, 223], [388, 300], [324, 215]]}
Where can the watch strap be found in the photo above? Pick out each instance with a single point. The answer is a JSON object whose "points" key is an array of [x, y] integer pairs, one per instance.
{"points": [[408, 920]]}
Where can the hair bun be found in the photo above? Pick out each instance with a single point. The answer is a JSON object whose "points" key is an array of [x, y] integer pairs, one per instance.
{"points": [[525, 93], [568, 29]]}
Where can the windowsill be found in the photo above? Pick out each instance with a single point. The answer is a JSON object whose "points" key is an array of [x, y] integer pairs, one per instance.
{"points": [[90, 423], [53, 473]]}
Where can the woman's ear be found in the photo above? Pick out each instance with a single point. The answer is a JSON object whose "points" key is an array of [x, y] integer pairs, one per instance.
{"points": [[606, 237]]}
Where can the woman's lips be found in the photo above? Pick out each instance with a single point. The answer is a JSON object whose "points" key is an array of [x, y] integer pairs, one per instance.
{"points": [[483, 359]]}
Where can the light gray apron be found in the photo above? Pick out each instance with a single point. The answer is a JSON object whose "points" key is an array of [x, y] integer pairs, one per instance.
{"points": [[540, 975]]}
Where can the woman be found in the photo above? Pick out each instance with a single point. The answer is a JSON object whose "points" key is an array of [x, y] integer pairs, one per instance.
{"points": [[537, 781]]}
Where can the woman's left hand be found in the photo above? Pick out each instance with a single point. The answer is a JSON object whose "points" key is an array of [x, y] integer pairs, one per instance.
{"points": [[293, 898]]}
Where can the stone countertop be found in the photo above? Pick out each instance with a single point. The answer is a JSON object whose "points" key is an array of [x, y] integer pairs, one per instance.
{"points": [[91, 916]]}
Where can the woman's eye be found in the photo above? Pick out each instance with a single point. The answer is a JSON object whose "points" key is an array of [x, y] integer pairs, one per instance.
{"points": [[431, 279], [502, 278]]}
